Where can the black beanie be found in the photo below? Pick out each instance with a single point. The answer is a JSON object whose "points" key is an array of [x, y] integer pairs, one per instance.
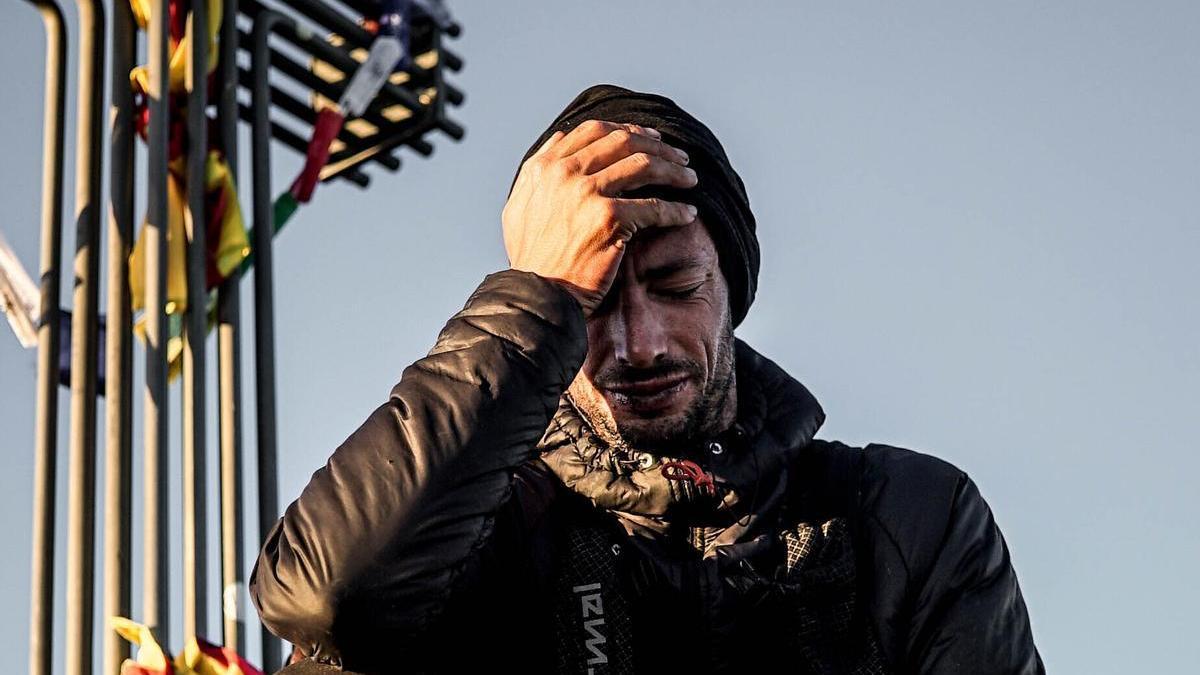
{"points": [[719, 194]]}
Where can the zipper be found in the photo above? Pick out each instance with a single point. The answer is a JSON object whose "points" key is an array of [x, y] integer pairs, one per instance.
{"points": [[697, 539]]}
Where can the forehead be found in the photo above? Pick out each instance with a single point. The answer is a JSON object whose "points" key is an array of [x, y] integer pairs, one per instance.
{"points": [[657, 247]]}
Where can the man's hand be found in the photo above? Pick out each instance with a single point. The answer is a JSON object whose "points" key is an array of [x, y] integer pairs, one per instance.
{"points": [[565, 220]]}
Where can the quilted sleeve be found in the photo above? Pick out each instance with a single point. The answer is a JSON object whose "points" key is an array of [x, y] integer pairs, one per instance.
{"points": [[365, 559], [968, 614]]}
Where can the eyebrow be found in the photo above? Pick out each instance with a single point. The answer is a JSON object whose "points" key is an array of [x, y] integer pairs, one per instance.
{"points": [[666, 270]]}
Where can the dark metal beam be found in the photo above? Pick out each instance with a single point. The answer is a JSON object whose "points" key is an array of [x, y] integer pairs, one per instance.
{"points": [[303, 112], [294, 141], [155, 568], [229, 366], [371, 8], [264, 302], [195, 334], [332, 91], [41, 611], [357, 153], [81, 505], [118, 395], [336, 57]]}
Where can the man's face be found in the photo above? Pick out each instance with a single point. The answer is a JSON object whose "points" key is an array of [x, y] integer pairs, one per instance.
{"points": [[659, 369]]}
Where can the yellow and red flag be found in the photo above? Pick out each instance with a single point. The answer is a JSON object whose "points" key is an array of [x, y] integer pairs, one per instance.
{"points": [[199, 657], [226, 242]]}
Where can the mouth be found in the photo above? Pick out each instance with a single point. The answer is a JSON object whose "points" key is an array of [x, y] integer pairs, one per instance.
{"points": [[647, 396]]}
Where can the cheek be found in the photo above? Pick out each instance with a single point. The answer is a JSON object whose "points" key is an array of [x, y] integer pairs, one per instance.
{"points": [[598, 348], [696, 328]]}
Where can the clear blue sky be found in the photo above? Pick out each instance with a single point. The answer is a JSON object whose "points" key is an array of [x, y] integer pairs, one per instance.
{"points": [[980, 239]]}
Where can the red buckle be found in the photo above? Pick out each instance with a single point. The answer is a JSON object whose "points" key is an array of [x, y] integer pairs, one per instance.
{"points": [[686, 469]]}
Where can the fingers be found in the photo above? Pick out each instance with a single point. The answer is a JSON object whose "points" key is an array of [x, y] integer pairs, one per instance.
{"points": [[592, 130], [631, 215], [554, 138], [641, 169], [621, 143]]}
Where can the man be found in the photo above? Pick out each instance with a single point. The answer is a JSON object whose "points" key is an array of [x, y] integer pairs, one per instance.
{"points": [[589, 472]]}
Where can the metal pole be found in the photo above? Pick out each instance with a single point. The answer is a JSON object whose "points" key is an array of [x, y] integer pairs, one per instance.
{"points": [[155, 567], [335, 56], [46, 445], [118, 476], [356, 36], [264, 302], [81, 507], [305, 113], [229, 366], [306, 77], [294, 141], [366, 8], [355, 153], [195, 577]]}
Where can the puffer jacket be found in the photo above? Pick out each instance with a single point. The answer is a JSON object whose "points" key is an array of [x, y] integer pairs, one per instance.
{"points": [[474, 521]]}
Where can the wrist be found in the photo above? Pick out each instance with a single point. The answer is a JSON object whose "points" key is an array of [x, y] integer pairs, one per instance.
{"points": [[560, 286]]}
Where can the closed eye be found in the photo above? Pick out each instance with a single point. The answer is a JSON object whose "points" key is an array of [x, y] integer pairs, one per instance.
{"points": [[682, 293]]}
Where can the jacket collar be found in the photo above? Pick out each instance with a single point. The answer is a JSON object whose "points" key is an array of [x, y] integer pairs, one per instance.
{"points": [[777, 417]]}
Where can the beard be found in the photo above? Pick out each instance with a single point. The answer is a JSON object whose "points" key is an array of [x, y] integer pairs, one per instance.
{"points": [[700, 419]]}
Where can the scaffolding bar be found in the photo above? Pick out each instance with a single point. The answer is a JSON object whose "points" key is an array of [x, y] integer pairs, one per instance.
{"points": [[332, 91], [155, 568], [229, 365], [118, 476], [41, 611], [294, 141], [357, 153], [264, 301], [369, 7], [81, 481], [193, 461], [334, 56], [305, 113]]}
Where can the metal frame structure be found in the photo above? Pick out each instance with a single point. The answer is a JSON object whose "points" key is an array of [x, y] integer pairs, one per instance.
{"points": [[46, 420], [118, 393], [269, 81]]}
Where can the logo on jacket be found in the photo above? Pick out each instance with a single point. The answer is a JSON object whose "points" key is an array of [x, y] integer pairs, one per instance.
{"points": [[593, 618]]}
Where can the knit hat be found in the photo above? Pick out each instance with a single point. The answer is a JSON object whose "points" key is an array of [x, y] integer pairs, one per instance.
{"points": [[719, 194]]}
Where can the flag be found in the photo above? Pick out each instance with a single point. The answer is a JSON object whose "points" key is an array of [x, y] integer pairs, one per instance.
{"points": [[199, 657], [227, 244]]}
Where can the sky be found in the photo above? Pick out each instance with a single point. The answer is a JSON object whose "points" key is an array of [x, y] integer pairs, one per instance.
{"points": [[980, 238]]}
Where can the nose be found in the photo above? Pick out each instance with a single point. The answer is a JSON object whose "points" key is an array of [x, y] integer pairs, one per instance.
{"points": [[638, 331]]}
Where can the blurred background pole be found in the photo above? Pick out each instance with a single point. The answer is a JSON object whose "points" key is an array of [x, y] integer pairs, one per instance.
{"points": [[118, 392], [264, 299], [81, 508], [229, 363], [154, 568], [46, 440], [195, 569], [196, 333]]}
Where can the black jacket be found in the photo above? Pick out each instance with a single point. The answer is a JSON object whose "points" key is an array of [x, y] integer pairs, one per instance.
{"points": [[474, 521]]}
